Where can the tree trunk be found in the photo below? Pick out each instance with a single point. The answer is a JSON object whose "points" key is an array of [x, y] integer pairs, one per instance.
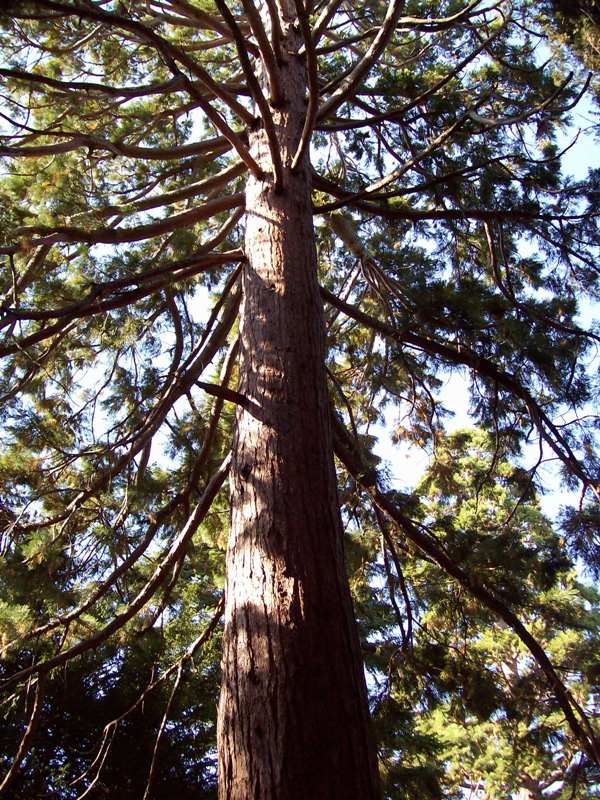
{"points": [[293, 715]]}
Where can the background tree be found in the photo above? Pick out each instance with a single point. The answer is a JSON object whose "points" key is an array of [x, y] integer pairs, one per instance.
{"points": [[157, 154], [494, 729]]}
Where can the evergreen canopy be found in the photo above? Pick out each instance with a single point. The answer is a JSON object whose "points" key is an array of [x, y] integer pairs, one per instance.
{"points": [[448, 241]]}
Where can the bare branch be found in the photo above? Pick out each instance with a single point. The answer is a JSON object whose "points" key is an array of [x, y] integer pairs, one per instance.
{"points": [[215, 146], [34, 78], [266, 52]]}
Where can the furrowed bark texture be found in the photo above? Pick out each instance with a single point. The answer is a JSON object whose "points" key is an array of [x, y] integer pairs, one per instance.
{"points": [[293, 715]]}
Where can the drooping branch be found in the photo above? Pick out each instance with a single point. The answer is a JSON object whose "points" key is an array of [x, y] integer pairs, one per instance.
{"points": [[387, 543], [177, 667], [507, 290], [97, 302], [155, 520], [517, 215], [178, 384], [481, 366]]}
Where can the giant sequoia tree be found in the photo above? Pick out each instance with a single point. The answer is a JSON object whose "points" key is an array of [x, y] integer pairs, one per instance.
{"points": [[232, 235]]}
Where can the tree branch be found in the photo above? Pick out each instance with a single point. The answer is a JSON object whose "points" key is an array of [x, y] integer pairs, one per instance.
{"points": [[364, 65], [482, 366], [67, 233]]}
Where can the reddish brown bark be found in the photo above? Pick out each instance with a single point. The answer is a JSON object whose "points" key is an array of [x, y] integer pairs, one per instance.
{"points": [[293, 716]]}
